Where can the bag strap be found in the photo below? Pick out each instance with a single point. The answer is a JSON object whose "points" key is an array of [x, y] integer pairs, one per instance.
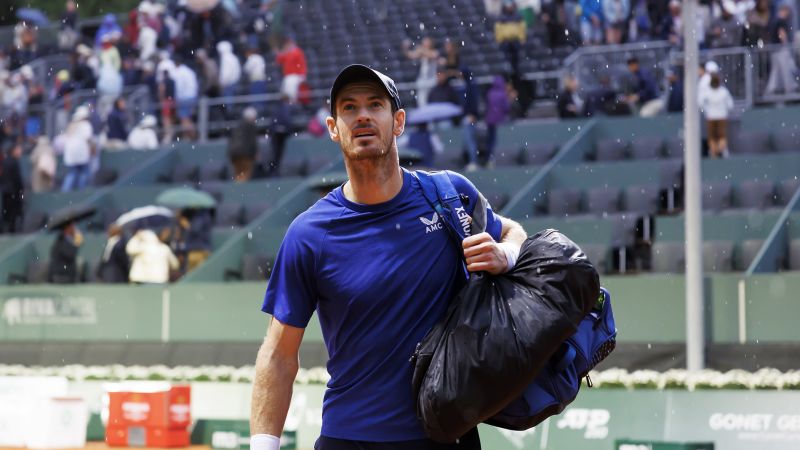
{"points": [[439, 191]]}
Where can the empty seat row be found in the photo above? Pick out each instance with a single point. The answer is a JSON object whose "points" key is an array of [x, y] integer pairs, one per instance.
{"points": [[719, 256], [654, 147], [526, 155], [649, 199], [290, 165]]}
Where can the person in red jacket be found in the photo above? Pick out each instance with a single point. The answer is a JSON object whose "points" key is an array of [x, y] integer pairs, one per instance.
{"points": [[293, 66]]}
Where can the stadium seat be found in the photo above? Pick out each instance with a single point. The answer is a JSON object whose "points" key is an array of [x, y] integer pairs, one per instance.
{"points": [[228, 215], [564, 202], [786, 141], [610, 150], [507, 156], [758, 194], [497, 197], [184, 173], [597, 255], [646, 147], [253, 268], [668, 257], [785, 190], [673, 148], [33, 221], [794, 254], [748, 249], [717, 256], [105, 176], [212, 171], [747, 142], [36, 272], [318, 161], [253, 210], [642, 199], [716, 196], [537, 154], [602, 200], [292, 165]]}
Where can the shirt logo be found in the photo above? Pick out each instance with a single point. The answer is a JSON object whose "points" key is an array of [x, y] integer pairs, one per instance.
{"points": [[431, 224]]}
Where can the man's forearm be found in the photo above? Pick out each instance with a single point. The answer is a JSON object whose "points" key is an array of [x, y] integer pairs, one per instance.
{"points": [[512, 232], [272, 392]]}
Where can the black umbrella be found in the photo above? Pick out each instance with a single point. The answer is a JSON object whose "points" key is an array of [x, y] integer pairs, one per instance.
{"points": [[65, 216]]}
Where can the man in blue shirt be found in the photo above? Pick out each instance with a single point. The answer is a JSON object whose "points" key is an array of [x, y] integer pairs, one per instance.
{"points": [[376, 263]]}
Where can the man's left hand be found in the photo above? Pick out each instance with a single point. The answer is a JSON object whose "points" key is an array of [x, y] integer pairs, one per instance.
{"points": [[484, 254]]}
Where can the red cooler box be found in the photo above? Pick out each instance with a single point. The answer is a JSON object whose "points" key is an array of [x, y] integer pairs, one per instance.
{"points": [[151, 419]]}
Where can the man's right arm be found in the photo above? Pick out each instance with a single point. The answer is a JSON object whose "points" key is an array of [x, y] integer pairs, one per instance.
{"points": [[276, 368]]}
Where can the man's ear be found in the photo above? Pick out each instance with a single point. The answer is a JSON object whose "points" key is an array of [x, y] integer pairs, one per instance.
{"points": [[399, 122], [333, 131]]}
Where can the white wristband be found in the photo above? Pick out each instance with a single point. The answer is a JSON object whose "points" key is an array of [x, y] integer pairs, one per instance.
{"points": [[264, 442], [512, 253]]}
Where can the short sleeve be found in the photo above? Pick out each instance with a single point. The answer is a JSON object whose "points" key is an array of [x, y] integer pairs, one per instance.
{"points": [[493, 224], [291, 295]]}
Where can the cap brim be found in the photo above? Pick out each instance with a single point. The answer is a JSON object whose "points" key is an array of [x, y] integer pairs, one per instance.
{"points": [[360, 72]]}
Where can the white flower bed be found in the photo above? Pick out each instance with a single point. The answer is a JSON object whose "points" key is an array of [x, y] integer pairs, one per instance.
{"points": [[766, 379]]}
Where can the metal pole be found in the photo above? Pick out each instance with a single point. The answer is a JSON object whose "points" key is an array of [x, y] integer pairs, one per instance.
{"points": [[202, 119], [695, 333]]}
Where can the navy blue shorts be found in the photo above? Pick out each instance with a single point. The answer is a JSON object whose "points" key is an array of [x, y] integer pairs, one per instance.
{"points": [[470, 441]]}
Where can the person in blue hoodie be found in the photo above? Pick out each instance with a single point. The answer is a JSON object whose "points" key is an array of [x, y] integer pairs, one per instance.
{"points": [[108, 27], [592, 22]]}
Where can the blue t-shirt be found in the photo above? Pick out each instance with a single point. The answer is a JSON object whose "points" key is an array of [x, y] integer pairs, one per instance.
{"points": [[379, 276]]}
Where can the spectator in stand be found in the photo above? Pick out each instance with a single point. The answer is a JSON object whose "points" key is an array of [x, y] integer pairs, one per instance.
{"points": [[725, 31], [704, 84], [591, 22], [757, 29], [117, 125], [109, 31], [151, 259], [498, 108], [675, 91], [641, 23], [108, 53], [82, 74], [194, 240], [716, 104], [423, 141], [293, 67], [616, 13], [14, 95], [554, 16], [570, 105], [131, 74], [186, 94], [12, 190], [209, 71], [671, 27], [443, 92], [738, 8], [109, 80], [230, 70], [281, 128], [114, 264], [243, 146], [64, 255], [493, 7], [255, 68], [147, 41], [79, 147], [428, 58], [782, 74], [26, 45], [510, 33], [143, 136], [472, 103], [451, 61], [43, 166], [166, 98], [68, 34], [645, 90]]}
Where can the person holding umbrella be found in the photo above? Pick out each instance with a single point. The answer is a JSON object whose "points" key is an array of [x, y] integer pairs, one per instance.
{"points": [[64, 254]]}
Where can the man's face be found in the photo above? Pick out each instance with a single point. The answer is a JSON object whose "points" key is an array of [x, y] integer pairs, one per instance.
{"points": [[365, 126]]}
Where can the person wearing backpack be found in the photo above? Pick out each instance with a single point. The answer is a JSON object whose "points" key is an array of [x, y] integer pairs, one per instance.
{"points": [[378, 265]]}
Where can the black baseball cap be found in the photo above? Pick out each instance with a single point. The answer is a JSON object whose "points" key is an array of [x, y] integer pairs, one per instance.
{"points": [[360, 72]]}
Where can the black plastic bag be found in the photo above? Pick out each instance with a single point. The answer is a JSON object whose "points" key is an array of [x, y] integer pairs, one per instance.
{"points": [[498, 334]]}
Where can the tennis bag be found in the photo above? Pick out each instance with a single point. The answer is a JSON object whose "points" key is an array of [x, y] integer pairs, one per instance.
{"points": [[512, 349]]}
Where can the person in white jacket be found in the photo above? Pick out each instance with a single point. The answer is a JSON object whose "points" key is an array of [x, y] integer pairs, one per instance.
{"points": [[716, 104], [151, 259], [143, 136], [230, 70]]}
